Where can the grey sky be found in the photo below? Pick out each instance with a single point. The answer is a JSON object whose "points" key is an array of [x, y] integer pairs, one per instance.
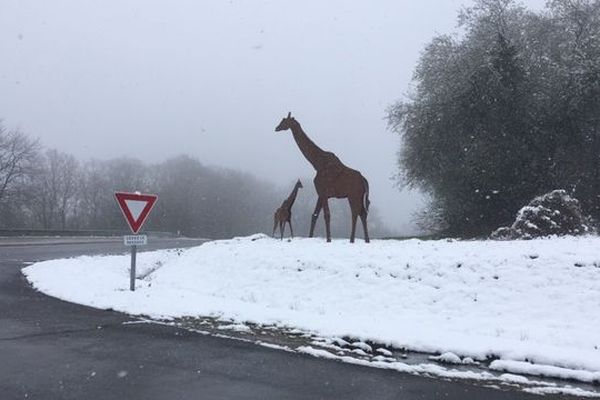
{"points": [[153, 79]]}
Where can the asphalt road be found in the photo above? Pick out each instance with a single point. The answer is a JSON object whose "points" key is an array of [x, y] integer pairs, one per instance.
{"points": [[51, 349]]}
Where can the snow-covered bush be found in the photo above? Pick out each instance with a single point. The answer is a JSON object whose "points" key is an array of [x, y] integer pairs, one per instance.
{"points": [[503, 233], [554, 213]]}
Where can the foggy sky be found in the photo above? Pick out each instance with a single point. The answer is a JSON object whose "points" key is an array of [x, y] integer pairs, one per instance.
{"points": [[212, 79]]}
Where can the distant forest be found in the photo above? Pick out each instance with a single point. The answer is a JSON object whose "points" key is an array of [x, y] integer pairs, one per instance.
{"points": [[49, 189]]}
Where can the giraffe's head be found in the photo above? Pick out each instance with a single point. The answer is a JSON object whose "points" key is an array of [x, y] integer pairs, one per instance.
{"points": [[286, 123], [299, 184]]}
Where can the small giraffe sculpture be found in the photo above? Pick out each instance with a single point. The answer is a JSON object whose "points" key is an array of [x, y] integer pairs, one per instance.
{"points": [[284, 213], [333, 180]]}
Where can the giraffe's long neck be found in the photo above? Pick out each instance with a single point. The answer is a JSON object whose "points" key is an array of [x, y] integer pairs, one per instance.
{"points": [[292, 197], [313, 153]]}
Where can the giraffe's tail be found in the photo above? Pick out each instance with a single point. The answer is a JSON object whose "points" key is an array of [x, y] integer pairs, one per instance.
{"points": [[367, 202]]}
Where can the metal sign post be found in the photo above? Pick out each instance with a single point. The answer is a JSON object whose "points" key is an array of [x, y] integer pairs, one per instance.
{"points": [[134, 241], [132, 271], [136, 208]]}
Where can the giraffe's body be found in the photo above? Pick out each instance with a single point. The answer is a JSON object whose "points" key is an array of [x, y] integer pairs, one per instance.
{"points": [[283, 214], [333, 180]]}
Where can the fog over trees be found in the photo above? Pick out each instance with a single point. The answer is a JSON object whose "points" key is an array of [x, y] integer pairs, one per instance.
{"points": [[505, 112], [50, 189]]}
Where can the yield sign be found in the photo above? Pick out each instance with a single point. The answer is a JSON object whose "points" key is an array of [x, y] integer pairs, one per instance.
{"points": [[135, 208]]}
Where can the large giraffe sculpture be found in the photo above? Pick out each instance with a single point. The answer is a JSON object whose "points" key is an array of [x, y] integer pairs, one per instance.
{"points": [[284, 213], [333, 180]]}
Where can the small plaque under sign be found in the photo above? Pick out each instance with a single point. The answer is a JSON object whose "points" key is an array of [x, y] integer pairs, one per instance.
{"points": [[135, 240]]}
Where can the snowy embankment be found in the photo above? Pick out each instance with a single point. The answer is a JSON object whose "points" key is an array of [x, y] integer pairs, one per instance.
{"points": [[535, 301]]}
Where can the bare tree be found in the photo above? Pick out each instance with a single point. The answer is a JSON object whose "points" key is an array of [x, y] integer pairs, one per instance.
{"points": [[68, 177], [53, 188], [93, 194], [17, 156], [95, 206]]}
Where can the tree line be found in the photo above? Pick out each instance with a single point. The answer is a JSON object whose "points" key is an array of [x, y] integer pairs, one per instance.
{"points": [[48, 189], [505, 111]]}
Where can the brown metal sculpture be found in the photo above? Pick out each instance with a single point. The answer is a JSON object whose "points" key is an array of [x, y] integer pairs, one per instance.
{"points": [[333, 180], [284, 213]]}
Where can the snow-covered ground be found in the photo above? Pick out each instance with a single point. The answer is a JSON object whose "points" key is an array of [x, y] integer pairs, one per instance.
{"points": [[533, 305]]}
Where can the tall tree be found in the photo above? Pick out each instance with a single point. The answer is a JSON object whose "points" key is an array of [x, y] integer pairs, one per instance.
{"points": [[504, 113]]}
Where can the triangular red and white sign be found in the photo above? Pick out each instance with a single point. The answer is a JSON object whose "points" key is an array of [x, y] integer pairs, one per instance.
{"points": [[135, 208]]}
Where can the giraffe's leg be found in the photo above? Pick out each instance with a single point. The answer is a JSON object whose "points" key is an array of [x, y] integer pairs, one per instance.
{"points": [[314, 217], [363, 219], [291, 229], [281, 228], [327, 216], [354, 216]]}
